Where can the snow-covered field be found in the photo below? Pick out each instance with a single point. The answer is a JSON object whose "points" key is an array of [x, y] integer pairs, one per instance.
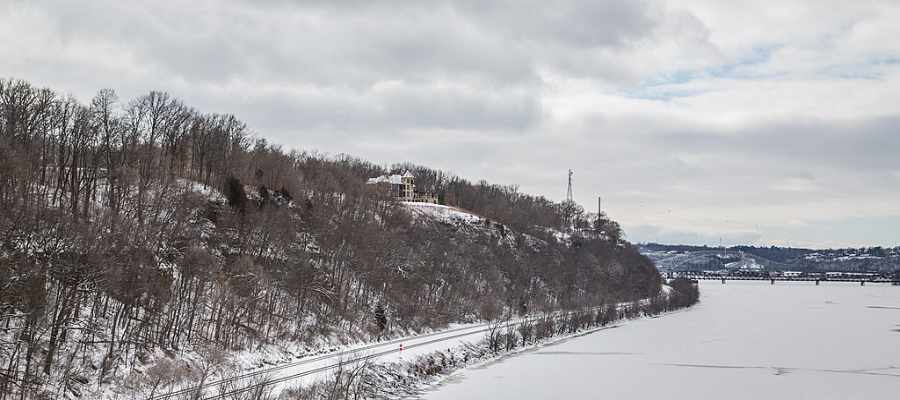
{"points": [[745, 340]]}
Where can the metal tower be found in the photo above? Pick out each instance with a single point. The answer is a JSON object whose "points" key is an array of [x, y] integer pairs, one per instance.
{"points": [[567, 207]]}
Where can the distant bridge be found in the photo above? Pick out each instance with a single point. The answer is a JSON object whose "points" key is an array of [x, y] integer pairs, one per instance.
{"points": [[716, 277]]}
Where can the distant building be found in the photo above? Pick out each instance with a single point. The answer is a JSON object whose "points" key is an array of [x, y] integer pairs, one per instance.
{"points": [[402, 188]]}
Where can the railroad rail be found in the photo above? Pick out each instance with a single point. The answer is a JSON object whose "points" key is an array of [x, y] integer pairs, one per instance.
{"points": [[355, 355]]}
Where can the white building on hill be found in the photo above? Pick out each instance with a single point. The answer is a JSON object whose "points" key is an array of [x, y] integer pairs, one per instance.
{"points": [[402, 187]]}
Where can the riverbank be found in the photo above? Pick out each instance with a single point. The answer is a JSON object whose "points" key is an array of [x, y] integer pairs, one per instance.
{"points": [[405, 377]]}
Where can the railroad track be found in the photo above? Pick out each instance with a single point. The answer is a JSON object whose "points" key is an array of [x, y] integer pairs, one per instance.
{"points": [[470, 330], [305, 361], [341, 363]]}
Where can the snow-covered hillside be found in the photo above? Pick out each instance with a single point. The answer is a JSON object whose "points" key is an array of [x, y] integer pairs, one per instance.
{"points": [[442, 213], [681, 258]]}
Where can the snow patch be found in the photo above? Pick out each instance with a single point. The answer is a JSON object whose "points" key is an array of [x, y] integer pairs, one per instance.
{"points": [[442, 213]]}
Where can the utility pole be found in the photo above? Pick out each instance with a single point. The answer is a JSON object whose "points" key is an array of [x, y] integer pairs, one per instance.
{"points": [[570, 202]]}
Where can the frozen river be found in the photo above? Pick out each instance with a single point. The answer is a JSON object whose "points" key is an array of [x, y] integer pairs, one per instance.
{"points": [[745, 340]]}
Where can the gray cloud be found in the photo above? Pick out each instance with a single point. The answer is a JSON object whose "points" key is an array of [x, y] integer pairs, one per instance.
{"points": [[578, 24], [869, 143]]}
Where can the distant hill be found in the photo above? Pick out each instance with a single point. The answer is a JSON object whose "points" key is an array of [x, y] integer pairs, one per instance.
{"points": [[685, 257]]}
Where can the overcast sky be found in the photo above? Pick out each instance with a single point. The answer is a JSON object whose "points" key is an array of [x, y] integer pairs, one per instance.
{"points": [[760, 122]]}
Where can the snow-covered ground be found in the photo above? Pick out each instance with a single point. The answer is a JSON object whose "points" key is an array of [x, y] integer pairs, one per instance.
{"points": [[307, 370], [442, 213], [314, 368], [322, 366], [745, 340]]}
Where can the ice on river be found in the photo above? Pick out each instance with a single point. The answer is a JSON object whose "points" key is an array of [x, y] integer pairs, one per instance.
{"points": [[746, 340]]}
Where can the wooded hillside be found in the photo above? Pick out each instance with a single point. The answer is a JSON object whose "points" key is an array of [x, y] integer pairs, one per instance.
{"points": [[133, 228]]}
